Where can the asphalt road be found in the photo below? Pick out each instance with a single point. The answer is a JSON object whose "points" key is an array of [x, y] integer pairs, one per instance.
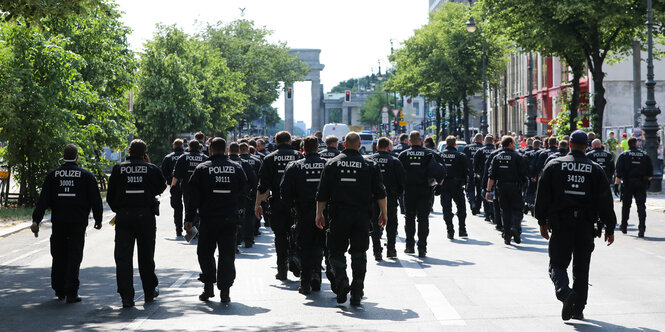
{"points": [[474, 284]]}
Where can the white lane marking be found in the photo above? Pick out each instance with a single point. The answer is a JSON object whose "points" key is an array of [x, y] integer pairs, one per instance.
{"points": [[441, 308], [138, 321], [411, 266], [21, 257], [182, 280]]}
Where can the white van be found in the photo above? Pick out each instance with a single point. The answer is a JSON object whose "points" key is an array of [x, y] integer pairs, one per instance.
{"points": [[336, 129]]}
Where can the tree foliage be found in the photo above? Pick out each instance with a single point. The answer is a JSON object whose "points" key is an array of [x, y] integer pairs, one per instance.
{"points": [[587, 31], [35, 10], [184, 86], [263, 65], [443, 61], [63, 82]]}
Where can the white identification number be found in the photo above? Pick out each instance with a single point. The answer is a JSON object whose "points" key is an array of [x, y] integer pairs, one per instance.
{"points": [[134, 179], [576, 178]]}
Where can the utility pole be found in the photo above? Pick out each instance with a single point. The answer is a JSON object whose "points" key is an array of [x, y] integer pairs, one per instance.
{"points": [[651, 111]]}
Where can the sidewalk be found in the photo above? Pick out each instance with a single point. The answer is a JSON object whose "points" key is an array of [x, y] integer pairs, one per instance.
{"points": [[656, 202]]}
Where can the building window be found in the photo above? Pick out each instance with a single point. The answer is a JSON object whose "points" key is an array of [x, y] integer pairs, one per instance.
{"points": [[543, 68], [416, 105]]}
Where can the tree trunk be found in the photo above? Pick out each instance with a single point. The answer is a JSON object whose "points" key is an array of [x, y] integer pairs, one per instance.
{"points": [[451, 116], [578, 71], [599, 100], [465, 104], [438, 121]]}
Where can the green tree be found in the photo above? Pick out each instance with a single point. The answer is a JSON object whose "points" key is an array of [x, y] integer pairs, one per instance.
{"points": [[591, 31], [40, 88], [443, 61], [35, 10], [263, 65], [184, 86]]}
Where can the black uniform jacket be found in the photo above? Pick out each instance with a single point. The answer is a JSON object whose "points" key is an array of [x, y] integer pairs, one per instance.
{"points": [[134, 183], [574, 182], [216, 189], [70, 192]]}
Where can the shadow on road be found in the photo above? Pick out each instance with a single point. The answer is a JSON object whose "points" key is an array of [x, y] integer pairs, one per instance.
{"points": [[370, 311], [596, 325]]}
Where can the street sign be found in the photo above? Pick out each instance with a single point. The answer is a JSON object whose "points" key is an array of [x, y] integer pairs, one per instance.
{"points": [[402, 123], [395, 112], [401, 115], [384, 109], [374, 128], [384, 118]]}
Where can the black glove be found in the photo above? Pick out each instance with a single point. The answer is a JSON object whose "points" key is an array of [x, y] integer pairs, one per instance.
{"points": [[437, 190], [617, 190]]}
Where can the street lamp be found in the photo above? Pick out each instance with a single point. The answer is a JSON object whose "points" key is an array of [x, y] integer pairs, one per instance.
{"points": [[651, 111], [531, 130], [472, 27]]}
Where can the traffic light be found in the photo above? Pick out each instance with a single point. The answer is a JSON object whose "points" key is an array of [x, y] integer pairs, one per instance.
{"points": [[288, 93], [347, 96], [396, 126], [422, 124]]}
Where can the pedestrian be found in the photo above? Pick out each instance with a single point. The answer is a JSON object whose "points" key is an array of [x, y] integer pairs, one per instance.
{"points": [[246, 223], [298, 191], [133, 185], [70, 192], [185, 166], [215, 190], [393, 175], [479, 160], [420, 166], [457, 168], [624, 142], [573, 193], [319, 137], [270, 177], [612, 143], [540, 159], [473, 185], [349, 185], [635, 170], [255, 162], [330, 150], [168, 164], [562, 151], [508, 171], [603, 158]]}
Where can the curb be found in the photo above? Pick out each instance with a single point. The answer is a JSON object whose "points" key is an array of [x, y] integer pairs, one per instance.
{"points": [[20, 227]]}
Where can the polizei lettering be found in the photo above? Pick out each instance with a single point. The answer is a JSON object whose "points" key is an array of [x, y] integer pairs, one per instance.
{"points": [[349, 164], [221, 170], [312, 166], [67, 173], [288, 157], [576, 167], [415, 153], [194, 158], [133, 169]]}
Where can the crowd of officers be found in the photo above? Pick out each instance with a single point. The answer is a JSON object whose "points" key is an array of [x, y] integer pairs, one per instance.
{"points": [[321, 202]]}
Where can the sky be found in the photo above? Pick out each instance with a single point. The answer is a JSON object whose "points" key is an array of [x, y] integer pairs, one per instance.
{"points": [[352, 35]]}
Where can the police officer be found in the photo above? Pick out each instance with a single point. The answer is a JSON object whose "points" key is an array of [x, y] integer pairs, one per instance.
{"points": [[572, 193], [473, 183], [298, 189], [541, 157], [634, 168], [70, 192], [457, 168], [261, 151], [319, 137], [508, 171], [603, 158], [202, 142], [168, 164], [403, 143], [216, 191], [496, 199], [479, 160], [331, 148], [349, 185], [530, 191], [393, 175], [563, 150], [255, 162], [184, 168], [245, 220], [270, 177], [420, 166], [133, 186]]}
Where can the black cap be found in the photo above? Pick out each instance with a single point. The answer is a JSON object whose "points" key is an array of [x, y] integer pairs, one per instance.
{"points": [[579, 137]]}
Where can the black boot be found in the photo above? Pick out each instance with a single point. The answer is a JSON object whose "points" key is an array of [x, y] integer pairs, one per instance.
{"points": [[316, 281], [409, 249], [305, 287], [151, 294], [356, 297], [342, 290], [208, 292], [392, 253], [377, 255], [74, 298], [281, 272], [294, 265], [568, 305], [224, 295]]}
